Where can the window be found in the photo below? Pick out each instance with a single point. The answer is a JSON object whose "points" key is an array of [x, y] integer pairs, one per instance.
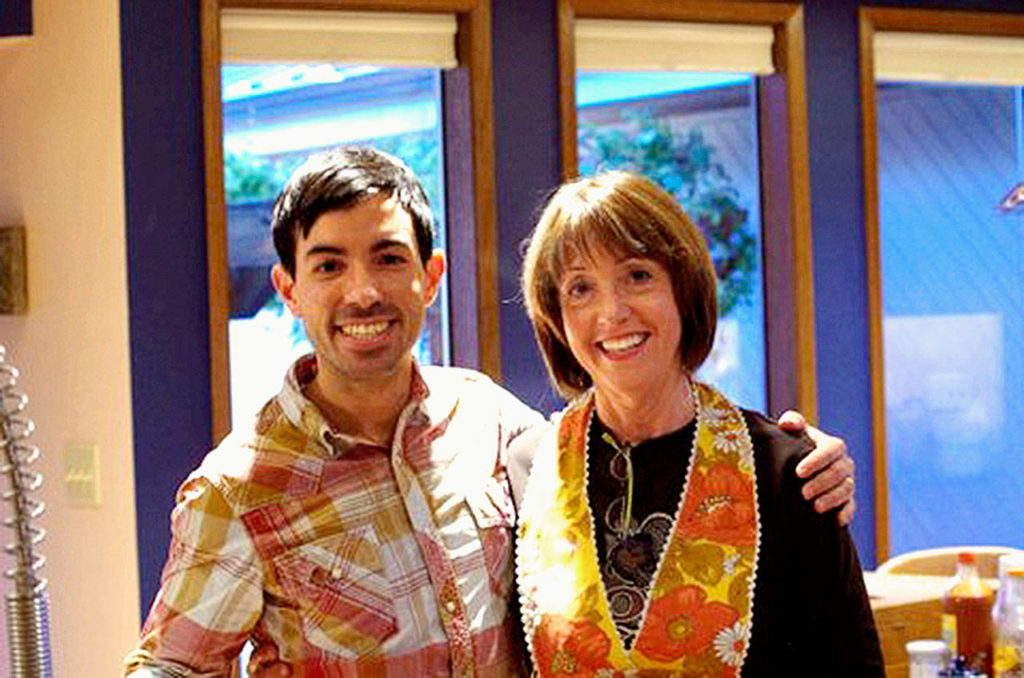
{"points": [[691, 104], [275, 116], [950, 274], [695, 134], [953, 308], [279, 84]]}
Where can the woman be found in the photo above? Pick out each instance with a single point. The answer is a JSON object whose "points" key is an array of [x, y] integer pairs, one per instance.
{"points": [[663, 528]]}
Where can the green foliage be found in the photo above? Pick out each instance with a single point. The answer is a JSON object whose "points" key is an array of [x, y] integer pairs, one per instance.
{"points": [[685, 165], [421, 151], [248, 178]]}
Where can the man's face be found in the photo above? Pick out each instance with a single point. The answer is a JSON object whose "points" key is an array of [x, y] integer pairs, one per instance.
{"points": [[361, 289]]}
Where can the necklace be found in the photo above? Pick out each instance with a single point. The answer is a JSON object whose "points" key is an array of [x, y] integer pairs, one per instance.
{"points": [[621, 468]]}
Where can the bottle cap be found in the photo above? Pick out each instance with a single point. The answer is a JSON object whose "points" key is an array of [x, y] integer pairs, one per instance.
{"points": [[1013, 560], [927, 648], [966, 557]]}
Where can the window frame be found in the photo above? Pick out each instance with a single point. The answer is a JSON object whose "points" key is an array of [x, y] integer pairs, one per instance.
{"points": [[872, 19], [476, 340], [784, 166]]}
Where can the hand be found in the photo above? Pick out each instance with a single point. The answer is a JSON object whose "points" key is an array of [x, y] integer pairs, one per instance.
{"points": [[265, 663], [828, 467]]}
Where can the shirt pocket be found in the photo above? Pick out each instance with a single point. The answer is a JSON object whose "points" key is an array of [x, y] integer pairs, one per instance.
{"points": [[494, 513], [344, 599]]}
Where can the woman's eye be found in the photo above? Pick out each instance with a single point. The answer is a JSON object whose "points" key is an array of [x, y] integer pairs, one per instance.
{"points": [[392, 259], [640, 275], [577, 289]]}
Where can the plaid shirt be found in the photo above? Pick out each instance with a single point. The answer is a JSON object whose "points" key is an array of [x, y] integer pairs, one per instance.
{"points": [[353, 559]]}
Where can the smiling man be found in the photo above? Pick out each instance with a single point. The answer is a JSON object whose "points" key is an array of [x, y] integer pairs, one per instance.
{"points": [[364, 526]]}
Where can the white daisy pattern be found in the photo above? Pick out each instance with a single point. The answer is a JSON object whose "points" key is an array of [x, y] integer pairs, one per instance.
{"points": [[714, 416], [729, 440], [731, 644], [729, 564]]}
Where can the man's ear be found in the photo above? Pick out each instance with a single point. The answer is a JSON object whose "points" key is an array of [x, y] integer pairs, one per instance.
{"points": [[435, 274], [284, 283]]}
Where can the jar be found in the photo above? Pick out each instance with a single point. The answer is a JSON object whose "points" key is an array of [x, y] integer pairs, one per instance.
{"points": [[926, 658]]}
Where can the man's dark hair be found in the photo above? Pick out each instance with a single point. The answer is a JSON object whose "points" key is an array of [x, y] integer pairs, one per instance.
{"points": [[342, 178]]}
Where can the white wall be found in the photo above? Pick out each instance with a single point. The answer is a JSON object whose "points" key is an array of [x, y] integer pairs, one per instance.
{"points": [[61, 176]]}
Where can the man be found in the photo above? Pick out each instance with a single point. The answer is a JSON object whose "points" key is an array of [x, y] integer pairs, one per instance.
{"points": [[365, 526]]}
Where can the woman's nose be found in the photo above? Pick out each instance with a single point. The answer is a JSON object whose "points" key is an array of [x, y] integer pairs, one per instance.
{"points": [[613, 306]]}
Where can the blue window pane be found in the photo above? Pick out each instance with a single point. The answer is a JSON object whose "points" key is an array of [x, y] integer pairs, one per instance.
{"points": [[953, 303], [275, 116], [695, 135]]}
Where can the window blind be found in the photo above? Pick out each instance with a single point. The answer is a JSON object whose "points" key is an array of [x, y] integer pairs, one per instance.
{"points": [[380, 39], [607, 45], [982, 59]]}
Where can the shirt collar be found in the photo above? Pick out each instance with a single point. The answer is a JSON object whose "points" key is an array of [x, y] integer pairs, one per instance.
{"points": [[306, 416]]}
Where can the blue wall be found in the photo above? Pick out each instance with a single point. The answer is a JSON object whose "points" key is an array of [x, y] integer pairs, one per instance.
{"points": [[166, 230], [837, 219], [15, 17], [527, 168], [166, 237]]}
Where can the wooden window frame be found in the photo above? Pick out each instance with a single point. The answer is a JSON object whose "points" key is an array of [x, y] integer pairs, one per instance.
{"points": [[919, 21], [785, 180], [477, 346]]}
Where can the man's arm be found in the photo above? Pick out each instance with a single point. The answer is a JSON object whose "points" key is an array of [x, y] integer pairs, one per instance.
{"points": [[828, 468], [210, 595]]}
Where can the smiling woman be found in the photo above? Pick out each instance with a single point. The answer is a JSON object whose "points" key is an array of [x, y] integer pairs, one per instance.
{"points": [[660, 521]]}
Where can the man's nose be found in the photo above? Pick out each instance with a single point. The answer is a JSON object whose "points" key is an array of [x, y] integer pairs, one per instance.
{"points": [[361, 288]]}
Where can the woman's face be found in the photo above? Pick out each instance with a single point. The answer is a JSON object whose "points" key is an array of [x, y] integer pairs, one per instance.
{"points": [[621, 320]]}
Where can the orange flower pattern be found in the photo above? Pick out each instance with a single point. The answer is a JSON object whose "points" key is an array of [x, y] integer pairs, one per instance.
{"points": [[699, 614], [568, 647], [683, 623], [719, 506]]}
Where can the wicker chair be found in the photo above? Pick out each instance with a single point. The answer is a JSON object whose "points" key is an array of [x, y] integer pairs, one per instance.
{"points": [[942, 561]]}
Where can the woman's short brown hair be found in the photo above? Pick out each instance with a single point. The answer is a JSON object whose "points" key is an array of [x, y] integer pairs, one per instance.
{"points": [[623, 213]]}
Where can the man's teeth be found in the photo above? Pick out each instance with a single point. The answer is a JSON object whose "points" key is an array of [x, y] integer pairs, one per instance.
{"points": [[364, 330], [622, 343]]}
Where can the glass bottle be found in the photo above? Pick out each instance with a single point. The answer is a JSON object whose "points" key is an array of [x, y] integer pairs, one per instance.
{"points": [[967, 615], [1008, 626]]}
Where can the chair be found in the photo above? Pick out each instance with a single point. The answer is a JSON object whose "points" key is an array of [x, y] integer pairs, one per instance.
{"points": [[942, 561]]}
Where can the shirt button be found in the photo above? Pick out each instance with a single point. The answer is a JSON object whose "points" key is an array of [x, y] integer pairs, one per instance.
{"points": [[449, 605]]}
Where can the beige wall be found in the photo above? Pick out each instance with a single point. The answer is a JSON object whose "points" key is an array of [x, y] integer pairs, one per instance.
{"points": [[61, 175]]}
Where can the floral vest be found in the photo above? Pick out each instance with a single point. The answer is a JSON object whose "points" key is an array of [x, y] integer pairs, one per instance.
{"points": [[698, 615]]}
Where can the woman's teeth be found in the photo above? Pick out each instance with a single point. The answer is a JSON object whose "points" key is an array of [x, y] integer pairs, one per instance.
{"points": [[622, 343], [364, 330]]}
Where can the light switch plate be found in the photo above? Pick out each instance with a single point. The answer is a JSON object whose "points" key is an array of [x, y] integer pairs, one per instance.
{"points": [[82, 475]]}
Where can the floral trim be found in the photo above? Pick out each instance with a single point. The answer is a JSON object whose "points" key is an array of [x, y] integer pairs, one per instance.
{"points": [[699, 611]]}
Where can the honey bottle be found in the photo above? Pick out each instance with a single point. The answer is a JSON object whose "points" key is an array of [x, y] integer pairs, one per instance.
{"points": [[967, 615]]}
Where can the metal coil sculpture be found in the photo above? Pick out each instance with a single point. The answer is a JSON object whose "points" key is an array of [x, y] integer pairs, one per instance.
{"points": [[27, 606]]}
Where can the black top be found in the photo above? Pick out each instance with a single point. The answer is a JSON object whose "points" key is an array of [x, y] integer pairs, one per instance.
{"points": [[811, 611]]}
